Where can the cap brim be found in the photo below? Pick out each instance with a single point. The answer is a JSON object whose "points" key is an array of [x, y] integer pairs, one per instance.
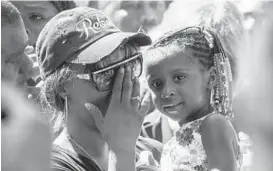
{"points": [[106, 45]]}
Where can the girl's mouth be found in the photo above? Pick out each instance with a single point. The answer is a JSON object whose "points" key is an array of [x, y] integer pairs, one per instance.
{"points": [[173, 108]]}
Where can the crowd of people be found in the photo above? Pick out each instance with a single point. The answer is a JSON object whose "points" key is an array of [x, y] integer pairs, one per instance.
{"points": [[136, 85]]}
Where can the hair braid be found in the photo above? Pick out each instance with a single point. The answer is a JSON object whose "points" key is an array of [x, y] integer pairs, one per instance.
{"points": [[192, 38]]}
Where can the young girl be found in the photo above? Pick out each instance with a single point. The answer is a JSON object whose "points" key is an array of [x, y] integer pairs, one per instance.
{"points": [[190, 79]]}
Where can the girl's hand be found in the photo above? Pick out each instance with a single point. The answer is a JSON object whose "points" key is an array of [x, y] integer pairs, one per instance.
{"points": [[123, 120]]}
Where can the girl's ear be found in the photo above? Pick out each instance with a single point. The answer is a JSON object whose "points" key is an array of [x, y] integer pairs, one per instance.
{"points": [[212, 78]]}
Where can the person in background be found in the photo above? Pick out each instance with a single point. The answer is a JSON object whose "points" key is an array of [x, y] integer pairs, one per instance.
{"points": [[25, 136], [15, 64], [35, 15], [130, 16], [91, 4], [92, 72]]}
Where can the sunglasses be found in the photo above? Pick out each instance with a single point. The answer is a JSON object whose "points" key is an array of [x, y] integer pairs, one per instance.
{"points": [[103, 79]]}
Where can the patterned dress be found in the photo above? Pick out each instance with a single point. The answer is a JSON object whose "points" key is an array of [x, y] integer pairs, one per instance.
{"points": [[185, 151]]}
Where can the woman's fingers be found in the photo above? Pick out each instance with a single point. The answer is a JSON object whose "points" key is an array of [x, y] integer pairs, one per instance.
{"points": [[117, 87], [145, 104], [127, 86], [135, 99], [97, 115]]}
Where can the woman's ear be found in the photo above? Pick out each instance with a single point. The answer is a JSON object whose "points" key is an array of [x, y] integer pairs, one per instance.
{"points": [[212, 77], [63, 91], [63, 95]]}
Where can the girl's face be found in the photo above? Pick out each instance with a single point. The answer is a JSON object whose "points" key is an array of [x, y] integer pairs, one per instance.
{"points": [[179, 85], [35, 15]]}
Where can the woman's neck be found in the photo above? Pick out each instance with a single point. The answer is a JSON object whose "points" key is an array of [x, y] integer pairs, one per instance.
{"points": [[86, 136]]}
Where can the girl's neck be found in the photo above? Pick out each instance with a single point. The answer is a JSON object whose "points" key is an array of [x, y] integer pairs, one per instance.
{"points": [[198, 114], [86, 137]]}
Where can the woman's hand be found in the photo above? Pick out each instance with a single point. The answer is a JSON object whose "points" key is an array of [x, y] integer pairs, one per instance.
{"points": [[123, 120]]}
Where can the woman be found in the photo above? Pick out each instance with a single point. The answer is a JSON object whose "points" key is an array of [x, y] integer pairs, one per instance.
{"points": [[133, 15], [88, 87], [37, 13]]}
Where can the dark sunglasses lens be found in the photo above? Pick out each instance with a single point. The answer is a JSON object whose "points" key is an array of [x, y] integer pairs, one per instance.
{"points": [[105, 80]]}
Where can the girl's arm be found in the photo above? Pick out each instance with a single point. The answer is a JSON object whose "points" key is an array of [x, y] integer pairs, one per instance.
{"points": [[218, 138]]}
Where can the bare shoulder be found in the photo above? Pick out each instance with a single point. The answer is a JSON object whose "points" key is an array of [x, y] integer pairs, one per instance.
{"points": [[217, 126]]}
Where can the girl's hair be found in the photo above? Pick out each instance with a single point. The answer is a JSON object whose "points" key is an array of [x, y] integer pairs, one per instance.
{"points": [[207, 48], [227, 21], [177, 41], [222, 16]]}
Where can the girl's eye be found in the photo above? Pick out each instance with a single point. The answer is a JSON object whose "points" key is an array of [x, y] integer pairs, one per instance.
{"points": [[179, 77], [157, 84], [36, 17]]}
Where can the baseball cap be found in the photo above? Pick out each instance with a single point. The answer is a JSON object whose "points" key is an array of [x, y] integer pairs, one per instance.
{"points": [[80, 30]]}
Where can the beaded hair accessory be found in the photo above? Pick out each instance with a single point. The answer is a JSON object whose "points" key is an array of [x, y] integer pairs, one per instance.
{"points": [[221, 94]]}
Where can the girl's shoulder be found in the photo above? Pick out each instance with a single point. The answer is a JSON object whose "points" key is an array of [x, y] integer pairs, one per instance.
{"points": [[217, 132], [216, 120], [217, 125]]}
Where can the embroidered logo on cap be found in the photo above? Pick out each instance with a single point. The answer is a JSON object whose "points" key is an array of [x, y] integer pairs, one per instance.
{"points": [[94, 24]]}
